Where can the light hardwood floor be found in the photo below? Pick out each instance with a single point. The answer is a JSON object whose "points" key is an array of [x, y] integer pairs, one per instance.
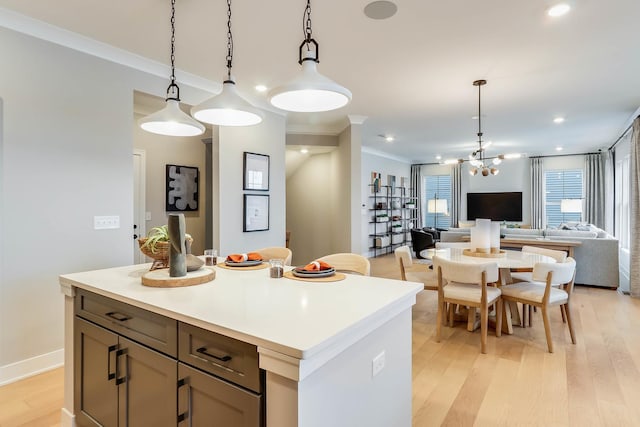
{"points": [[517, 383]]}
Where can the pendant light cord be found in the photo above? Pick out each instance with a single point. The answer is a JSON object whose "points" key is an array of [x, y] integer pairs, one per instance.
{"points": [[173, 91], [229, 44], [308, 38], [480, 125]]}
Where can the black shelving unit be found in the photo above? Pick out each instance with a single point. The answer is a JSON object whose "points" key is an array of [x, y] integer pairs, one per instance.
{"points": [[390, 218]]}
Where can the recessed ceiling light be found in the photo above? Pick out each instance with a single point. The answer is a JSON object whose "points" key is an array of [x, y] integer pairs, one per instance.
{"points": [[559, 10], [380, 9], [558, 120], [261, 88], [558, 148], [389, 138], [438, 157], [304, 151]]}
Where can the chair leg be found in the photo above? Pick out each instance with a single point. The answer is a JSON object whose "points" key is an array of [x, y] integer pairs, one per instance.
{"points": [[524, 315], [451, 312], [499, 310], [471, 319], [547, 328], [484, 324], [564, 316], [567, 312], [439, 319], [532, 308]]}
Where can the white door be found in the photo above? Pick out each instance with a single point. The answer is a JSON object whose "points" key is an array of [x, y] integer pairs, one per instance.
{"points": [[139, 226]]}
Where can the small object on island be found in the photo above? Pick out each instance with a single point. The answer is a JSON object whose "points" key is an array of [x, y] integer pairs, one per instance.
{"points": [[276, 268], [193, 262], [210, 257], [177, 249]]}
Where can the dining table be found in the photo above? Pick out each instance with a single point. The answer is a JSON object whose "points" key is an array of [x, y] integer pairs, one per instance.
{"points": [[507, 261]]}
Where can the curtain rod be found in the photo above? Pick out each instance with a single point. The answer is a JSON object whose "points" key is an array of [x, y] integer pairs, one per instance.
{"points": [[530, 157], [623, 134]]}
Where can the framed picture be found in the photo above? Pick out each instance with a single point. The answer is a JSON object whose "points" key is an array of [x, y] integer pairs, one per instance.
{"points": [[256, 172], [256, 212], [182, 188]]}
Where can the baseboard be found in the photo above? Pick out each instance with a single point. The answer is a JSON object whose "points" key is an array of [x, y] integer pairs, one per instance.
{"points": [[67, 419], [29, 367]]}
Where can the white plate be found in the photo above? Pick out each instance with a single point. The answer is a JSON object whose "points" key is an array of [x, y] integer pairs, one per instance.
{"points": [[299, 272]]}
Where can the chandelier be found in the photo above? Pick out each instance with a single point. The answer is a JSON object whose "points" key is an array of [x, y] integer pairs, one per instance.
{"points": [[477, 160]]}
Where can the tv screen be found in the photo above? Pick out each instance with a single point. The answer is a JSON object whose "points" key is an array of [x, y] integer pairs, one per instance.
{"points": [[505, 206]]}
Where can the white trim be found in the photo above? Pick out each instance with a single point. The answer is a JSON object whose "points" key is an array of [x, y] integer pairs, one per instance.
{"points": [[42, 30], [378, 153], [29, 367]]}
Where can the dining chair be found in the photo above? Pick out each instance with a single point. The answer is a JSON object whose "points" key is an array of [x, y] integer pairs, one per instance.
{"points": [[526, 276], [348, 263], [542, 293], [276, 252], [467, 284], [415, 273]]}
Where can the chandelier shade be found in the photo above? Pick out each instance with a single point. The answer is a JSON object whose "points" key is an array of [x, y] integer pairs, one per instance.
{"points": [[309, 91], [228, 108]]}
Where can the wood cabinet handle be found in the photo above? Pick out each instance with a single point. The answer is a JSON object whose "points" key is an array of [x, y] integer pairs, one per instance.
{"points": [[203, 350]]}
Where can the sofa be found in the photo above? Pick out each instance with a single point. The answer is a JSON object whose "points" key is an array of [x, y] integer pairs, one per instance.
{"points": [[596, 258]]}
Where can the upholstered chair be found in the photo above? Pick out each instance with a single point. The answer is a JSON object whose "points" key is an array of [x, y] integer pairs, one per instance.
{"points": [[348, 263], [414, 272]]}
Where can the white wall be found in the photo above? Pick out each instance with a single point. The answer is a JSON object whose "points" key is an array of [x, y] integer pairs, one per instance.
{"points": [[386, 166], [310, 207], [268, 138], [514, 176]]}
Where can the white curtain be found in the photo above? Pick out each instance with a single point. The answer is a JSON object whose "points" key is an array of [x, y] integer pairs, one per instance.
{"points": [[609, 191], [634, 207], [416, 191], [537, 193], [594, 203], [456, 194]]}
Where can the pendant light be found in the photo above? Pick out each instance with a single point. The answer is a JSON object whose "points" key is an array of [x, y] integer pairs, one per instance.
{"points": [[227, 108], [171, 120], [310, 91], [477, 159]]}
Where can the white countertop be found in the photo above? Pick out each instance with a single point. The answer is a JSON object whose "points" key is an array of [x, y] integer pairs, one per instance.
{"points": [[295, 318]]}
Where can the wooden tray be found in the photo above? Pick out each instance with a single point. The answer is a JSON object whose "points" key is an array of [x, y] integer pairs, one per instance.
{"points": [[335, 278], [253, 267], [471, 252], [161, 278]]}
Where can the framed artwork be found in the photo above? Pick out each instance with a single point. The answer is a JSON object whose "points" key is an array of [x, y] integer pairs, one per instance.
{"points": [[182, 188], [256, 172], [256, 212]]}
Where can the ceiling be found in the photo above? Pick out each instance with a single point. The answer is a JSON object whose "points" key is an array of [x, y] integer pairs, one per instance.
{"points": [[411, 75]]}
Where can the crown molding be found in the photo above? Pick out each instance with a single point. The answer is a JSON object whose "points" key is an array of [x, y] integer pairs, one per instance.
{"points": [[44, 31]]}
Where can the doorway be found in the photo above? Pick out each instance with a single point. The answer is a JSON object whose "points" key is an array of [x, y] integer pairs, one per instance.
{"points": [[139, 206]]}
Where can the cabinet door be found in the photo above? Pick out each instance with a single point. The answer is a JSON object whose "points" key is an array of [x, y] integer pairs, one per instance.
{"points": [[147, 393], [205, 400], [95, 389]]}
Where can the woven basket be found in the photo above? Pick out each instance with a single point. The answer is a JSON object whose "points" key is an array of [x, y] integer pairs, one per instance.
{"points": [[161, 253]]}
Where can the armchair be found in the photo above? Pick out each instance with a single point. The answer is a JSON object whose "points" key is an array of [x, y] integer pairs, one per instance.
{"points": [[421, 240]]}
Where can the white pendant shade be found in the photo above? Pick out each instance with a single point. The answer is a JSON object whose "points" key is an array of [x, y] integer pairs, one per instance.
{"points": [[310, 92], [227, 108], [172, 121]]}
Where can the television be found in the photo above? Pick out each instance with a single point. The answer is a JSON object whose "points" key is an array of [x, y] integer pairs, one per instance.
{"points": [[505, 206]]}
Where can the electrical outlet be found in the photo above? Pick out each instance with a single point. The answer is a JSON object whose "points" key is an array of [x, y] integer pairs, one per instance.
{"points": [[377, 364], [106, 222]]}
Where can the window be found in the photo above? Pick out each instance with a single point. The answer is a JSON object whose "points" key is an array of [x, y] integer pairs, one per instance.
{"points": [[437, 187], [561, 185]]}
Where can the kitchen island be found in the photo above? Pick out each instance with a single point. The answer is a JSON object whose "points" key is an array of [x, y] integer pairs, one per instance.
{"points": [[335, 353]]}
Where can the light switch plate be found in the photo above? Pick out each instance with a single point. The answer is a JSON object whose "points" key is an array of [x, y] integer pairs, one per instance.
{"points": [[377, 364], [106, 222]]}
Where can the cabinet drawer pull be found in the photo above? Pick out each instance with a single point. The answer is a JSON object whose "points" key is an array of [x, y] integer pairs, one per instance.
{"points": [[110, 375], [184, 382], [118, 316], [203, 350], [119, 379]]}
